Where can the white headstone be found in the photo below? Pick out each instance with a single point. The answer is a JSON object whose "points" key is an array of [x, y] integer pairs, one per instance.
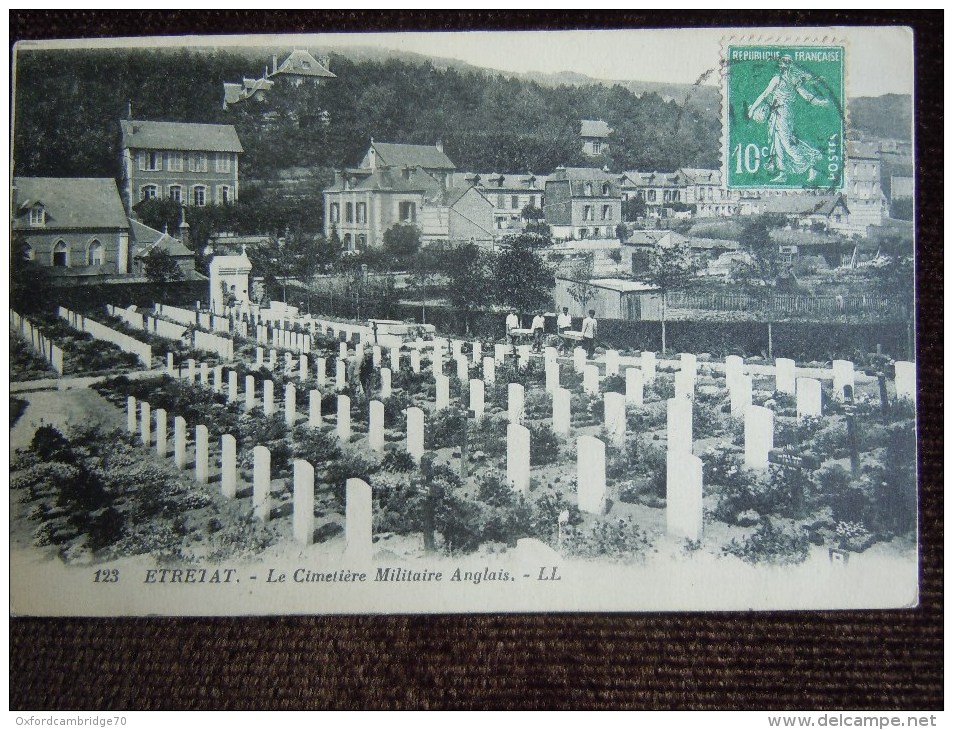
{"points": [[170, 365], [843, 375], [552, 375], [272, 359], [614, 416], [268, 398], [162, 447], [634, 387], [340, 374], [685, 385], [217, 378], [517, 457], [591, 474], [550, 354], [415, 360], [303, 368], [321, 371], [190, 370], [740, 395], [261, 483], [590, 380], [689, 363], [477, 353], [232, 386], [808, 398], [648, 366], [684, 511], [499, 354], [342, 350], [145, 424], [130, 414], [785, 376], [759, 436], [179, 441], [489, 370], [415, 433], [679, 425], [515, 398], [463, 368], [906, 380], [358, 521], [259, 357], [203, 374], [249, 392], [229, 468], [612, 362], [561, 411], [395, 358], [477, 398], [344, 418], [288, 363], [302, 518], [456, 348], [443, 392], [291, 406], [385, 383], [523, 356], [375, 432], [579, 359], [734, 368], [314, 409], [201, 454]]}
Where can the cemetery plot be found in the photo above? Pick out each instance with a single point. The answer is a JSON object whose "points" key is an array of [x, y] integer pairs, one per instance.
{"points": [[605, 459]]}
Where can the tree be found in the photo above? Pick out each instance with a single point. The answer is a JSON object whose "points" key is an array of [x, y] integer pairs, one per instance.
{"points": [[580, 289], [425, 271], [402, 240], [280, 259], [161, 268], [29, 281], [542, 231], [756, 241], [633, 209], [621, 232], [532, 213], [893, 276], [523, 280], [671, 267], [470, 272]]}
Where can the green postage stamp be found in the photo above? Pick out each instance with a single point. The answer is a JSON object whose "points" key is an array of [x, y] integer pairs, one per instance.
{"points": [[784, 117]]}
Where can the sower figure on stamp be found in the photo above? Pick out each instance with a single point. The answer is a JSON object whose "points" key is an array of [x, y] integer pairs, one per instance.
{"points": [[589, 329], [788, 152]]}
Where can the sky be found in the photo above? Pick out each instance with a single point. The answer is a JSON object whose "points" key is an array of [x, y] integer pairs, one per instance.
{"points": [[879, 60]]}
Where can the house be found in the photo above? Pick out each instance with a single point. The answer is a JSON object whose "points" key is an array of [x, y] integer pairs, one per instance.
{"points": [[829, 211], [659, 190], [195, 164], [862, 184], [509, 194], [901, 187], [404, 184], [75, 226], [299, 68], [582, 202], [703, 188], [595, 137], [639, 244], [78, 228], [611, 298]]}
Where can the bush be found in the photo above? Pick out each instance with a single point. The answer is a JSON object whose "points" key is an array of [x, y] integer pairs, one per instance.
{"points": [[763, 493], [315, 446], [607, 539], [722, 465], [445, 429], [348, 466], [50, 445], [399, 461], [400, 505], [770, 544], [614, 384], [544, 445]]}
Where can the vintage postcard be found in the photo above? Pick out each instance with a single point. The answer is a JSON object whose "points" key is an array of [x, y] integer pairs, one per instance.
{"points": [[463, 322]]}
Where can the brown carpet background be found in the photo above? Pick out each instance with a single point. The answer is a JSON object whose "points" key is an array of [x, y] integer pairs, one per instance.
{"points": [[856, 660]]}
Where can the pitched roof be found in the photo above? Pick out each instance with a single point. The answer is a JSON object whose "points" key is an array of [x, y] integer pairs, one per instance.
{"points": [[701, 176], [495, 181], [82, 202], [149, 240], [410, 155], [653, 179], [803, 204], [233, 93], [862, 150], [594, 128], [302, 63], [148, 135], [581, 174], [386, 179]]}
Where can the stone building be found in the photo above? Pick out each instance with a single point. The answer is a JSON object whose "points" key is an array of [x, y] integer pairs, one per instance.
{"points": [[582, 202], [595, 137]]}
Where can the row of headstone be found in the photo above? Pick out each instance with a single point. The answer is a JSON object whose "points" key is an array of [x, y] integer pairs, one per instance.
{"points": [[142, 350], [42, 346]]}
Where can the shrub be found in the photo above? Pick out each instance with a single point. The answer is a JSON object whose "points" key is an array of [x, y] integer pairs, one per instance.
{"points": [[723, 466], [315, 446], [445, 428], [400, 505], [348, 466], [706, 420], [398, 460], [50, 445], [770, 544], [546, 510], [762, 493], [544, 445], [614, 384], [489, 436], [660, 389], [609, 539]]}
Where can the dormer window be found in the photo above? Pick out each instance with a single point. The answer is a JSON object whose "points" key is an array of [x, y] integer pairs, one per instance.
{"points": [[605, 189], [588, 188], [37, 216], [306, 65]]}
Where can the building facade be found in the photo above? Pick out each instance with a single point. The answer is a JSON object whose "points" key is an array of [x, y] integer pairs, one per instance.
{"points": [[194, 164], [595, 137], [299, 68], [862, 185], [582, 202], [509, 195]]}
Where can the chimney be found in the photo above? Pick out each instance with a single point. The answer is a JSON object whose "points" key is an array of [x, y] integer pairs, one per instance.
{"points": [[274, 63], [439, 145], [184, 233], [372, 155]]}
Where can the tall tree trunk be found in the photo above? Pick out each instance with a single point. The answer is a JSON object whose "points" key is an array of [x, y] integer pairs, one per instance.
{"points": [[664, 297]]}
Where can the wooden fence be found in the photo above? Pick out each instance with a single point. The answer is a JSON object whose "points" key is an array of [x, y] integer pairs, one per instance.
{"points": [[790, 305]]}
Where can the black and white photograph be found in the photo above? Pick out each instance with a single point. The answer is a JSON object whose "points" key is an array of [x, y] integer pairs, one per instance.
{"points": [[464, 322]]}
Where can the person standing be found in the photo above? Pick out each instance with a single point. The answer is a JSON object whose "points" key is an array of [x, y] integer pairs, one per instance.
{"points": [[589, 330], [563, 323], [538, 327], [512, 323]]}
